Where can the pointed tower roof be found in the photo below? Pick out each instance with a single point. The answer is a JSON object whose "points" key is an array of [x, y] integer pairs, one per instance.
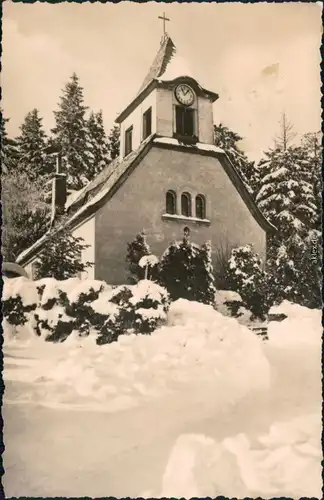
{"points": [[167, 66], [161, 61]]}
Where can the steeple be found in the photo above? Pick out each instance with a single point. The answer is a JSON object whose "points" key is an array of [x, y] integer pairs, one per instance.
{"points": [[161, 61], [170, 103]]}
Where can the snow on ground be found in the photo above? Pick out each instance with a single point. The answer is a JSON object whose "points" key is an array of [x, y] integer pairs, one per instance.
{"points": [[202, 407], [285, 462], [193, 349]]}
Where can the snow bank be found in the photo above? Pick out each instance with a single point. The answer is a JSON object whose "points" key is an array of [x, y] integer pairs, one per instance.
{"points": [[23, 287], [285, 462], [199, 351], [302, 327]]}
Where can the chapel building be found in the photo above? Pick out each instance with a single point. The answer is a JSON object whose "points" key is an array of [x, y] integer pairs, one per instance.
{"points": [[169, 177]]}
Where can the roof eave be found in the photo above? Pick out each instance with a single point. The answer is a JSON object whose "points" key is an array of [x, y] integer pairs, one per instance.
{"points": [[137, 100]]}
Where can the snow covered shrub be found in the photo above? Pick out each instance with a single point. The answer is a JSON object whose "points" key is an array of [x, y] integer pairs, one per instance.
{"points": [[52, 322], [151, 303], [137, 249], [14, 311], [186, 271], [139, 308], [79, 306], [246, 276], [20, 298]]}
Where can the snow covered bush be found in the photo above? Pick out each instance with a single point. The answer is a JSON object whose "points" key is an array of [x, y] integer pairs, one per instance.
{"points": [[137, 249], [52, 322], [139, 308], [79, 305], [20, 298], [246, 276], [186, 271]]}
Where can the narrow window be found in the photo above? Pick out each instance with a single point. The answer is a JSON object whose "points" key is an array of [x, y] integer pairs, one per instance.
{"points": [[184, 121], [186, 204], [128, 140], [171, 202], [200, 207], [147, 123]]}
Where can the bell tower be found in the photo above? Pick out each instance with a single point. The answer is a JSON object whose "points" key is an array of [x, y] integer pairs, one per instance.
{"points": [[170, 103]]}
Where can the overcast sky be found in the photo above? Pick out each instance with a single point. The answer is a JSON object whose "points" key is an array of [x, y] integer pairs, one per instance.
{"points": [[260, 58]]}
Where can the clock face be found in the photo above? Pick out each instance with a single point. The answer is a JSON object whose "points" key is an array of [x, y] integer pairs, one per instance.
{"points": [[184, 94]]}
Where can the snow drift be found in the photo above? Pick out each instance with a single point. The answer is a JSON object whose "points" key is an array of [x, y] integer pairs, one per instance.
{"points": [[199, 350], [285, 462]]}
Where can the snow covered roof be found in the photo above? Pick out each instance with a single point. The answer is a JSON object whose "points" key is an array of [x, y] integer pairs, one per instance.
{"points": [[107, 182], [168, 65]]}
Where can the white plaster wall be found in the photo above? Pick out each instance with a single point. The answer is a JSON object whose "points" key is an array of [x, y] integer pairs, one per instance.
{"points": [[29, 268], [87, 232], [165, 111], [205, 121], [135, 119]]}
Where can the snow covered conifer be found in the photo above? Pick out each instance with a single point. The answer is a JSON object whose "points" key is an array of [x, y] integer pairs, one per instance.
{"points": [[71, 134], [98, 145], [9, 151], [294, 267], [246, 276], [137, 249], [288, 199], [114, 142], [286, 195], [31, 144], [60, 257], [186, 271], [228, 141], [312, 145]]}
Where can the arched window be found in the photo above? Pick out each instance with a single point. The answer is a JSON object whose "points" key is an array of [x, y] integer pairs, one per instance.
{"points": [[171, 202], [200, 207], [186, 204]]}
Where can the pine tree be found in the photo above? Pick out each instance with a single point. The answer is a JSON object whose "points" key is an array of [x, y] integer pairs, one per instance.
{"points": [[71, 134], [9, 151], [60, 257], [137, 249], [114, 142], [312, 144], [186, 272], [31, 145], [24, 212], [287, 199], [286, 195], [228, 141], [98, 144], [246, 276]]}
